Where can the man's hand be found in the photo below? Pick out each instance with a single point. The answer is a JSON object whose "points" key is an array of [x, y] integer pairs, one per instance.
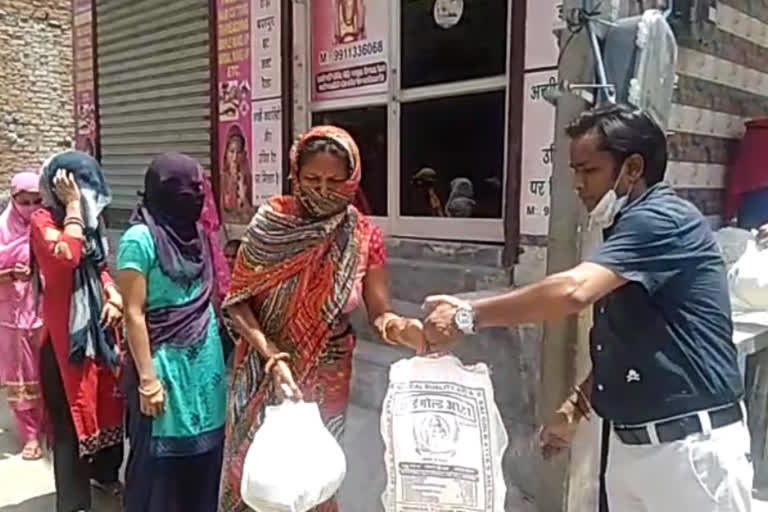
{"points": [[439, 327], [555, 437]]}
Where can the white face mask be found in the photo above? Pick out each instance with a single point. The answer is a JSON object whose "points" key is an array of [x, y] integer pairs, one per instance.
{"points": [[605, 211]]}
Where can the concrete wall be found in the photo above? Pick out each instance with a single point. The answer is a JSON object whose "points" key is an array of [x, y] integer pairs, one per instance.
{"points": [[36, 113]]}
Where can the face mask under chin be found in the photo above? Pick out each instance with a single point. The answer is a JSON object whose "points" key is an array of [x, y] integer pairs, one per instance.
{"points": [[605, 211]]}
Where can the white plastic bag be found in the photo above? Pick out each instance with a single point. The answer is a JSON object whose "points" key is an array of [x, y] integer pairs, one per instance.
{"points": [[732, 243], [748, 279], [293, 463], [444, 438]]}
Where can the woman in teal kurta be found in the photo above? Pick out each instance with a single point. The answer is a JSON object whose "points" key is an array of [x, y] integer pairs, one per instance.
{"points": [[175, 380]]}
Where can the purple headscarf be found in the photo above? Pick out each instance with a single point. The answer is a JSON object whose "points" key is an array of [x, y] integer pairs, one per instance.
{"points": [[171, 208]]}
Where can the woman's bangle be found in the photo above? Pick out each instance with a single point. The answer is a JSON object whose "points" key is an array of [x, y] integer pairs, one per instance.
{"points": [[384, 327], [153, 391], [274, 359], [384, 324], [74, 220]]}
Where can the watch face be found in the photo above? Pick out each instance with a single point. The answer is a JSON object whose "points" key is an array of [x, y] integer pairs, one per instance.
{"points": [[464, 320]]}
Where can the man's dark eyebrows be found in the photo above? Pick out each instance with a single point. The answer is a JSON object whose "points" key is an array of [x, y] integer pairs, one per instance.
{"points": [[576, 166]]}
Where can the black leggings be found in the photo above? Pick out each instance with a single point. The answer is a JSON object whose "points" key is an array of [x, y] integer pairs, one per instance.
{"points": [[72, 473]]}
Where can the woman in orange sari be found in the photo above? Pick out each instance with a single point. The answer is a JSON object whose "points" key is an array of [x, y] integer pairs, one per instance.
{"points": [[306, 262]]}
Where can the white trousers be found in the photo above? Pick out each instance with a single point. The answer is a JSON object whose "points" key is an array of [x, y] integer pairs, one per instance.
{"points": [[701, 473]]}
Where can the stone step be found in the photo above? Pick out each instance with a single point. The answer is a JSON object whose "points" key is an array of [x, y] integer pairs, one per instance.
{"points": [[412, 279], [488, 255], [370, 376]]}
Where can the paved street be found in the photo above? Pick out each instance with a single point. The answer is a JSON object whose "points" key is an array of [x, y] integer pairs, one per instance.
{"points": [[28, 486]]}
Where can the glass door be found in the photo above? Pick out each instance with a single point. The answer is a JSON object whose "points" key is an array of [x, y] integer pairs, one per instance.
{"points": [[433, 137]]}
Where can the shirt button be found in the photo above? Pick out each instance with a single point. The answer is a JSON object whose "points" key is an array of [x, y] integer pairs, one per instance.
{"points": [[599, 348], [600, 387]]}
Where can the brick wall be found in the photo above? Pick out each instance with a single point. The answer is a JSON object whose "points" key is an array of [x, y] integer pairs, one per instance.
{"points": [[722, 82], [35, 82]]}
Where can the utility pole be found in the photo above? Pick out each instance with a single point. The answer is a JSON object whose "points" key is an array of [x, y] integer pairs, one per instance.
{"points": [[563, 355]]}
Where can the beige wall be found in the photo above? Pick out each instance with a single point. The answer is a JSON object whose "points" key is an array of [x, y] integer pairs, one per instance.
{"points": [[35, 82]]}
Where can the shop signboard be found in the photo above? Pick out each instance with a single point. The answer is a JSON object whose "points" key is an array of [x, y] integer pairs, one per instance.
{"points": [[350, 48]]}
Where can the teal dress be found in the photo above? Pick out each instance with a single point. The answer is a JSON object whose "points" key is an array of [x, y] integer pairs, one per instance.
{"points": [[194, 377]]}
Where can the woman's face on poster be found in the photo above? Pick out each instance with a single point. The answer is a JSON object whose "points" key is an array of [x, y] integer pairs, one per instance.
{"points": [[349, 6], [234, 152]]}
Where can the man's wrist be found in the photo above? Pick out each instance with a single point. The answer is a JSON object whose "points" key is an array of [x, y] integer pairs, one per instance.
{"points": [[465, 318]]}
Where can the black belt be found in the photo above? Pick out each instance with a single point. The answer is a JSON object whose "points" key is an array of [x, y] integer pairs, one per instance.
{"points": [[678, 428]]}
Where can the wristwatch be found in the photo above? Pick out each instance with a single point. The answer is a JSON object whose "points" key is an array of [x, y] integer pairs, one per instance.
{"points": [[464, 319]]}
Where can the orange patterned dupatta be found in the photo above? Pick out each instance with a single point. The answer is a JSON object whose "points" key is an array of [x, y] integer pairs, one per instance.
{"points": [[297, 268]]}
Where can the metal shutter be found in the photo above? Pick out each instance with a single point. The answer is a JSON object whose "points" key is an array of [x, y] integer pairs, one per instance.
{"points": [[154, 87]]}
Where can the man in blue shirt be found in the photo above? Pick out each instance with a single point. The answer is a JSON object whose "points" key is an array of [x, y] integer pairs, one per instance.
{"points": [[665, 372]]}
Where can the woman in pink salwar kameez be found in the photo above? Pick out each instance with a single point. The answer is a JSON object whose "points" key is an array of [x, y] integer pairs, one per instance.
{"points": [[19, 323]]}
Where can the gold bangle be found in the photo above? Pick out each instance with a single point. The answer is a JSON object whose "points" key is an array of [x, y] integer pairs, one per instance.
{"points": [[390, 318], [155, 390]]}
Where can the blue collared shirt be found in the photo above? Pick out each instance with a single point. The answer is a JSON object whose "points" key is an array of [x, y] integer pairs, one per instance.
{"points": [[661, 345]]}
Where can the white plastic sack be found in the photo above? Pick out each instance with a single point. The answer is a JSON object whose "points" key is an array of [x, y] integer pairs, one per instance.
{"points": [[748, 278], [732, 243], [444, 438], [293, 463]]}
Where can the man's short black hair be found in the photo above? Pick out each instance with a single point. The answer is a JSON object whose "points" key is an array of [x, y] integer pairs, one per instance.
{"points": [[623, 131]]}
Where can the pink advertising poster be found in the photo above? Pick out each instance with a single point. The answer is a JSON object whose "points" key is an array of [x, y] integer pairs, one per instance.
{"points": [[86, 118], [350, 48], [234, 95]]}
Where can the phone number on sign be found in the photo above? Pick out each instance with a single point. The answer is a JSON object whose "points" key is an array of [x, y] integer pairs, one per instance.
{"points": [[352, 52]]}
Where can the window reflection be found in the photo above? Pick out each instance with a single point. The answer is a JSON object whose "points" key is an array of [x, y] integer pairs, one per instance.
{"points": [[452, 40], [452, 156], [368, 126]]}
